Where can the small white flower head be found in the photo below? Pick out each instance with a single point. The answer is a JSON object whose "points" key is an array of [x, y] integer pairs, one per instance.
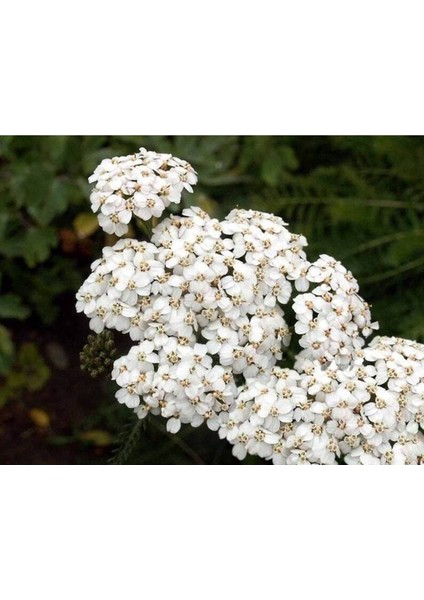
{"points": [[142, 184], [178, 380], [332, 319]]}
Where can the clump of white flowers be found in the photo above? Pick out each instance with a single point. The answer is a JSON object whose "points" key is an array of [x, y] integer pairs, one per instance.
{"points": [[141, 184], [234, 327]]}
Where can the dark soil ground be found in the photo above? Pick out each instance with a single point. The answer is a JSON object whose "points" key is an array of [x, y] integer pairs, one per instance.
{"points": [[68, 398]]}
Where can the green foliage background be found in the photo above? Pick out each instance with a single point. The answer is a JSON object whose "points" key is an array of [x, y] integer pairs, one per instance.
{"points": [[360, 199]]}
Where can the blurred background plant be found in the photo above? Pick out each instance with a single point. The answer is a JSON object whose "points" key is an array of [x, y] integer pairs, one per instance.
{"points": [[360, 199]]}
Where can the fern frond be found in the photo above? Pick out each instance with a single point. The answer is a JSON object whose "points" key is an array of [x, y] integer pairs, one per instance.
{"points": [[128, 439]]}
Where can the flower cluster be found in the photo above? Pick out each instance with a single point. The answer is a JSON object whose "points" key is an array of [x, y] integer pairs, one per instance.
{"points": [[369, 413], [143, 184], [332, 317], [234, 327], [202, 289]]}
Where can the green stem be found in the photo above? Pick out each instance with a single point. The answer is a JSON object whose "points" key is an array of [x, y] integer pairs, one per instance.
{"points": [[385, 239], [394, 272], [146, 227], [178, 442]]}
